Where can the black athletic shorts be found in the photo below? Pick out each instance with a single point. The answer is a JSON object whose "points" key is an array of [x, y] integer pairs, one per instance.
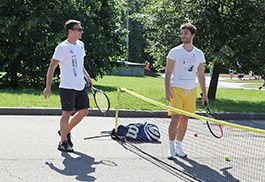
{"points": [[73, 99]]}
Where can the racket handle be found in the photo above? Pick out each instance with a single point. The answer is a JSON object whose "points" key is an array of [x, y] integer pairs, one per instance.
{"points": [[88, 84]]}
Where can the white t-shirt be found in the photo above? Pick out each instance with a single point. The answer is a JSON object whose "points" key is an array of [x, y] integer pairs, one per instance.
{"points": [[71, 62], [185, 67]]}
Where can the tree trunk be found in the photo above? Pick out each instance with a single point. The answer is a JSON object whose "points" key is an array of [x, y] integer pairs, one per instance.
{"points": [[214, 82]]}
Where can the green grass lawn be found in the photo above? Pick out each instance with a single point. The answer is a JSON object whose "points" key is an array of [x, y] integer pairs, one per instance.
{"points": [[231, 100], [238, 100], [256, 85], [249, 83], [235, 80]]}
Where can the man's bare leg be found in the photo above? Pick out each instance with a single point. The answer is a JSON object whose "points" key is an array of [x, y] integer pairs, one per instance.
{"points": [[181, 131], [182, 128], [64, 124], [77, 118], [173, 127], [172, 132]]}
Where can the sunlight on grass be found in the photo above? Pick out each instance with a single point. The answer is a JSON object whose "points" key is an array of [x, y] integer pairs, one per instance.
{"points": [[232, 100]]}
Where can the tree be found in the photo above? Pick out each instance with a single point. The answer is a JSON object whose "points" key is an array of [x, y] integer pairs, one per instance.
{"points": [[161, 20], [232, 30], [30, 31], [229, 31], [137, 41]]}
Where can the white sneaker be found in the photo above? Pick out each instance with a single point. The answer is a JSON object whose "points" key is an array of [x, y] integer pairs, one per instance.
{"points": [[179, 152], [171, 152]]}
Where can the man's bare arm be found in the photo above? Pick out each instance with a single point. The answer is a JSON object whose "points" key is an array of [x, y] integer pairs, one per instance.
{"points": [[53, 65], [169, 70], [88, 79], [201, 79]]}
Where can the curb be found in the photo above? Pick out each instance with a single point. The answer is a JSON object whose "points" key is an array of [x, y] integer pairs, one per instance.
{"points": [[128, 113]]}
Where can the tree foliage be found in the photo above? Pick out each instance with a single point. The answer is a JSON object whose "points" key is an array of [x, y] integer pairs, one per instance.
{"points": [[229, 31], [30, 31]]}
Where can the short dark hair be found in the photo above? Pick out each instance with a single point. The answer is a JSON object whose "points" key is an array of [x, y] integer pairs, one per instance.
{"points": [[70, 24], [190, 27]]}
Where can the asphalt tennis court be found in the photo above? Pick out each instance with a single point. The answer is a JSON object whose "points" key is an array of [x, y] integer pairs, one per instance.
{"points": [[29, 153]]}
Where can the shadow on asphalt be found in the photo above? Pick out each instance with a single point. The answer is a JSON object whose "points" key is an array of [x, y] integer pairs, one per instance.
{"points": [[204, 172], [79, 165]]}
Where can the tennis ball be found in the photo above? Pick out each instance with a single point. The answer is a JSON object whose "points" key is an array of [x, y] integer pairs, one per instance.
{"points": [[196, 134], [227, 158]]}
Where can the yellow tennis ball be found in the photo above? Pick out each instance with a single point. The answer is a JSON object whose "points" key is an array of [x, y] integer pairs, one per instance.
{"points": [[227, 158]]}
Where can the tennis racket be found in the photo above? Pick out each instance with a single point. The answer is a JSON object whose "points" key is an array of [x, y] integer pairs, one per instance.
{"points": [[215, 129], [101, 99], [111, 133], [102, 134]]}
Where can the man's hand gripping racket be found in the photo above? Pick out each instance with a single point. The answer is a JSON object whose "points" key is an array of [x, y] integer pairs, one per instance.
{"points": [[100, 98]]}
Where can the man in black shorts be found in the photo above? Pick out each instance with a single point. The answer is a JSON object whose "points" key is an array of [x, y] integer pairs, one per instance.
{"points": [[69, 55]]}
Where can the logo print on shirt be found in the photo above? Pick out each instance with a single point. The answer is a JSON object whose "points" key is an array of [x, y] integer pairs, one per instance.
{"points": [[188, 66], [191, 68], [74, 64], [71, 51]]}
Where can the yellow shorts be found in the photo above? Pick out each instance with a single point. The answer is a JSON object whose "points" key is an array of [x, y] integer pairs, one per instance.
{"points": [[183, 99]]}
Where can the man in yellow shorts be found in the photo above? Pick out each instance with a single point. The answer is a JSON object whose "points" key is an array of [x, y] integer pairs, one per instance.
{"points": [[183, 63]]}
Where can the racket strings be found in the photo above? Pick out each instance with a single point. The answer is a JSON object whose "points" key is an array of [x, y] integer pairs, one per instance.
{"points": [[102, 101]]}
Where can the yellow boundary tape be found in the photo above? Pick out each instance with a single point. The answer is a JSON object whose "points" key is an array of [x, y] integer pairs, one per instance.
{"points": [[246, 128]]}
